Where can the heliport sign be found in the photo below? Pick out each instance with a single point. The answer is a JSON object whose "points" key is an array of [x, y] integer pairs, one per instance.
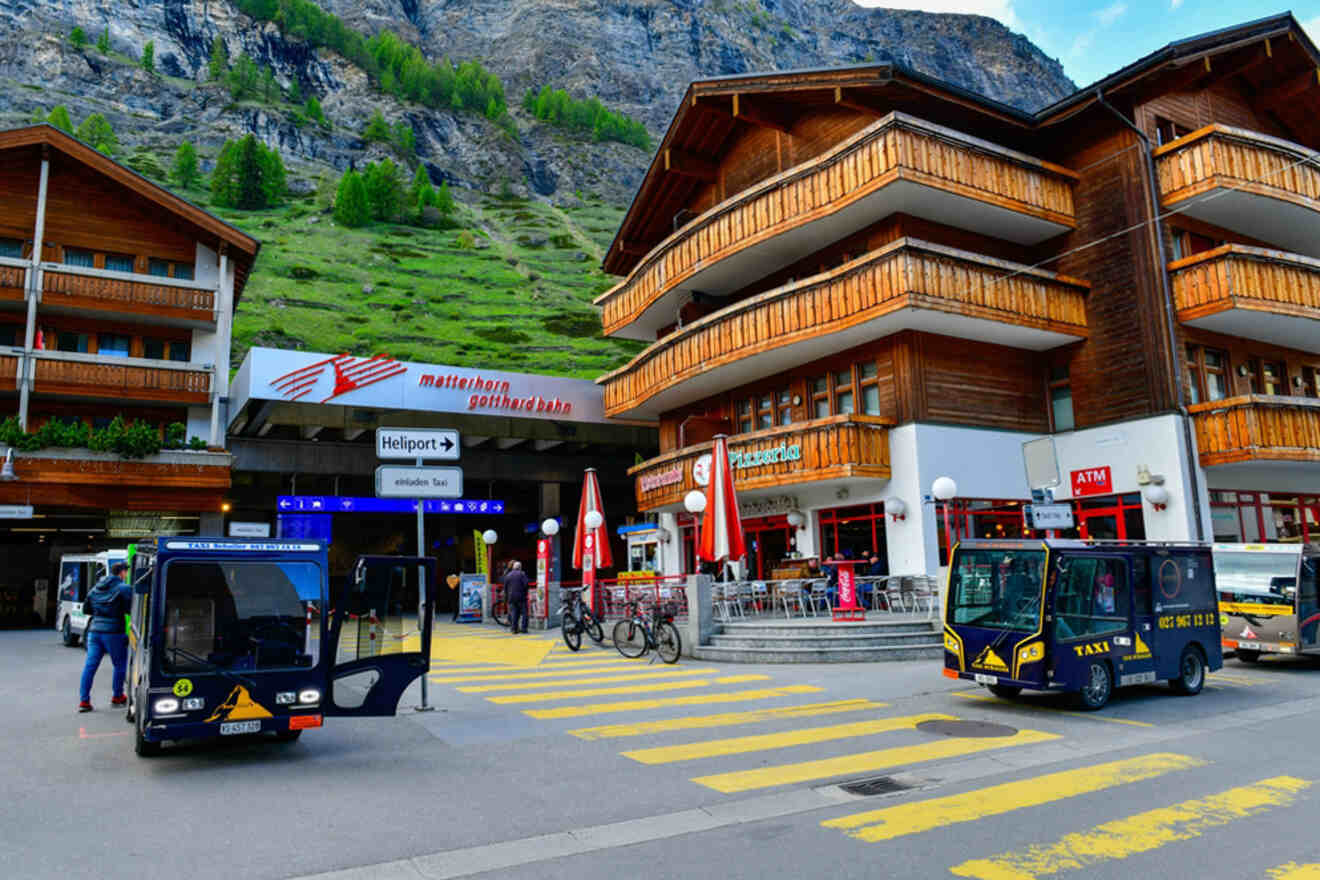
{"points": [[437, 443], [381, 382]]}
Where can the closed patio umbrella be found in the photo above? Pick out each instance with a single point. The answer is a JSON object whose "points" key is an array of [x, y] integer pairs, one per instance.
{"points": [[721, 529], [598, 556]]}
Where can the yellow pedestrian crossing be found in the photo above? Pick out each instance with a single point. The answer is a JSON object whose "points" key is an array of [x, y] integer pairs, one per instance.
{"points": [[782, 740], [630, 689], [724, 719], [888, 823], [598, 679], [1136, 834], [668, 702], [866, 762], [465, 676], [1294, 871]]}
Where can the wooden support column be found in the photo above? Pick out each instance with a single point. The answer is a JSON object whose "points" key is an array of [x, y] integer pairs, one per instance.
{"points": [[33, 293]]}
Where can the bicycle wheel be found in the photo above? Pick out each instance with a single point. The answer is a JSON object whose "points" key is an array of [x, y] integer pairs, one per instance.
{"points": [[500, 611], [572, 633], [629, 638], [594, 629], [668, 643]]}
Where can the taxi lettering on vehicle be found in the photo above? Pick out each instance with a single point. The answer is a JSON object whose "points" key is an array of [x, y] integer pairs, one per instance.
{"points": [[1093, 648]]}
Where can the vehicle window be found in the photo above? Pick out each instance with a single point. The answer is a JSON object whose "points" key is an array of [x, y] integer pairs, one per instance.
{"points": [[1308, 600], [999, 589], [70, 581], [1090, 597], [1186, 582], [1252, 576], [240, 615], [1141, 586], [380, 613]]}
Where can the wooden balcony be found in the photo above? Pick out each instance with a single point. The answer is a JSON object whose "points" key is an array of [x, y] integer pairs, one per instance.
{"points": [[177, 481], [8, 372], [1261, 186], [97, 376], [13, 279], [1270, 296], [1257, 428], [898, 164], [906, 285], [825, 449], [138, 297]]}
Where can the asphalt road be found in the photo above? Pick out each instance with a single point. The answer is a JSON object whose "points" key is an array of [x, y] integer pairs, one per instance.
{"points": [[540, 763]]}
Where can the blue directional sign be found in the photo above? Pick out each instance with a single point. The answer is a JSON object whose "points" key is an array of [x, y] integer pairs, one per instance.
{"points": [[356, 504]]}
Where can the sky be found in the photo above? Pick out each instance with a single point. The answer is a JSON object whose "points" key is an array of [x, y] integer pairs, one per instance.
{"points": [[1092, 38]]}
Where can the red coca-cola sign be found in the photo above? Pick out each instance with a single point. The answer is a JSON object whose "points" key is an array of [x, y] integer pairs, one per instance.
{"points": [[1092, 481]]}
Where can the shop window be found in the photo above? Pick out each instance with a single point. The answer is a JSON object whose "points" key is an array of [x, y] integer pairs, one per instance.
{"points": [[765, 411], [743, 408], [79, 257], [784, 402], [1267, 377], [112, 344], [81, 342], [1207, 373], [1091, 598], [119, 262], [868, 381], [1167, 131], [854, 532], [844, 402], [11, 248], [1061, 403], [820, 397]]}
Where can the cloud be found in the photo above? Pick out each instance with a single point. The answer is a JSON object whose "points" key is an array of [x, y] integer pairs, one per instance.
{"points": [[1174, 4], [1112, 13], [1312, 28], [1001, 10]]}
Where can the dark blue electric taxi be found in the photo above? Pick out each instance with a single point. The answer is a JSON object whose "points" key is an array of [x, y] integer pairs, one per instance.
{"points": [[1081, 616], [236, 637]]}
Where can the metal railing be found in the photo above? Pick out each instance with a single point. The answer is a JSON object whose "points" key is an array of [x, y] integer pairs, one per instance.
{"points": [[814, 597]]}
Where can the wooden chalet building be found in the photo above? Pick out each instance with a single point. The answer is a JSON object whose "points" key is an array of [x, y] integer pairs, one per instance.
{"points": [[124, 309], [870, 278]]}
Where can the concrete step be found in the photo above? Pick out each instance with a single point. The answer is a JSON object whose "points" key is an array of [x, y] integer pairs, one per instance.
{"points": [[872, 654], [825, 628], [747, 639]]}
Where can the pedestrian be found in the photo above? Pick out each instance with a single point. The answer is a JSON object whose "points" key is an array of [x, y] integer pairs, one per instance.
{"points": [[515, 590], [878, 566], [106, 604]]}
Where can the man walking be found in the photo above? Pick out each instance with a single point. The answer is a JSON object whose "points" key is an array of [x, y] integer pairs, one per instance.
{"points": [[107, 603], [515, 590]]}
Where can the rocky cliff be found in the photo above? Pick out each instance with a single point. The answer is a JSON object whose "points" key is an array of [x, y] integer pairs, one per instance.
{"points": [[637, 56]]}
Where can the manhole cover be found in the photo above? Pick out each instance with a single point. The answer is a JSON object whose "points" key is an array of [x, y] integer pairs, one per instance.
{"points": [[878, 785], [966, 728]]}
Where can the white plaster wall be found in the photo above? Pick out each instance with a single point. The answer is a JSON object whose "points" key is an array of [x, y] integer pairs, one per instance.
{"points": [[207, 345], [671, 552], [199, 422]]}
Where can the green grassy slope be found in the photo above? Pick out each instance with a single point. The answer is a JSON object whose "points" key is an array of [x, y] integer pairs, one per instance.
{"points": [[520, 299]]}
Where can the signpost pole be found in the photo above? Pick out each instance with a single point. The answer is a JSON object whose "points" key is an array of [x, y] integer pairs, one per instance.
{"points": [[421, 594]]}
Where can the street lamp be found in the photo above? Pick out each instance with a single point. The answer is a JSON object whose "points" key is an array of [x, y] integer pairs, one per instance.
{"points": [[489, 537], [593, 520], [550, 527], [945, 489]]}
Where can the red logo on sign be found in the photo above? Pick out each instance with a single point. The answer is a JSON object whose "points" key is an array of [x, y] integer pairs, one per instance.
{"points": [[350, 373], [1092, 481]]}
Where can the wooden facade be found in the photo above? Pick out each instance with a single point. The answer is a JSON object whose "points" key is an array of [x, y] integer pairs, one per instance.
{"points": [[65, 376], [1235, 276], [822, 449], [1224, 157], [1257, 428], [164, 300]]}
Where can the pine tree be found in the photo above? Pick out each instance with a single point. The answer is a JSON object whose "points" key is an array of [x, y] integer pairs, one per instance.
{"points": [[444, 202], [377, 128], [244, 78], [351, 201], [295, 91], [270, 89], [95, 130], [78, 38], [185, 172], [247, 175], [404, 139], [272, 175], [149, 56], [421, 193], [384, 191], [59, 117], [219, 63], [224, 180], [103, 42], [313, 110]]}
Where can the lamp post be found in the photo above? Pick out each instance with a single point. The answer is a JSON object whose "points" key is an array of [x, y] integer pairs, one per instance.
{"points": [[945, 489], [695, 503], [489, 537], [549, 528]]}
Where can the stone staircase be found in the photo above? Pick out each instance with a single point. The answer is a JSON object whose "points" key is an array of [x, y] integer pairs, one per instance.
{"points": [[818, 640]]}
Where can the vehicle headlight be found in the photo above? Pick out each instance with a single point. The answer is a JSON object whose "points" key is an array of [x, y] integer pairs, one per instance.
{"points": [[311, 695], [192, 704], [286, 698], [167, 706], [951, 644], [1031, 653]]}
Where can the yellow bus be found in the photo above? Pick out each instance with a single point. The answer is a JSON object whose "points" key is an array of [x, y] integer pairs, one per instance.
{"points": [[1267, 599]]}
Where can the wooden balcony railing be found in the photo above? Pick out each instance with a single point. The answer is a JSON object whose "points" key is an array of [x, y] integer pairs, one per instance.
{"points": [[8, 372], [1257, 427], [905, 274], [122, 292], [92, 376], [898, 147], [824, 449], [1220, 156], [1236, 276], [13, 278]]}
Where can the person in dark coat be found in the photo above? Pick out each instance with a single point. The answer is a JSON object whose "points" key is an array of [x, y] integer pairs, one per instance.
{"points": [[107, 603], [515, 590]]}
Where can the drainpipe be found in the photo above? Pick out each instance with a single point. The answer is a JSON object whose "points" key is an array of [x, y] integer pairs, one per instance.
{"points": [[1162, 271]]}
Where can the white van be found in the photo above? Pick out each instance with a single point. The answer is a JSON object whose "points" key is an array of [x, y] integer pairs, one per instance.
{"points": [[79, 572]]}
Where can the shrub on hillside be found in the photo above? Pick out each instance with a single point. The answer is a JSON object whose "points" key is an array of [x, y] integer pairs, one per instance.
{"points": [[351, 207], [59, 117], [185, 172], [97, 132], [78, 38]]}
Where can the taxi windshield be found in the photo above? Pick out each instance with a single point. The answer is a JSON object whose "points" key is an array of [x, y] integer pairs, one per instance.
{"points": [[996, 588], [1254, 576], [240, 615]]}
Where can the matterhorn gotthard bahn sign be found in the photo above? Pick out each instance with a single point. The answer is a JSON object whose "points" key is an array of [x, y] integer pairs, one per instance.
{"points": [[380, 381]]}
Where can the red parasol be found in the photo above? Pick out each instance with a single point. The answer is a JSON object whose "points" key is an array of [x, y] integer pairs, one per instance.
{"points": [[600, 537], [721, 529]]}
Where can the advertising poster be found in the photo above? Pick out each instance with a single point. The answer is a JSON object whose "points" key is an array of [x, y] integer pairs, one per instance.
{"points": [[470, 587]]}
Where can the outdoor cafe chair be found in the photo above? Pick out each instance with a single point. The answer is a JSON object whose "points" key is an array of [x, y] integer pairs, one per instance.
{"points": [[726, 600], [894, 593], [820, 597], [756, 596], [789, 593]]}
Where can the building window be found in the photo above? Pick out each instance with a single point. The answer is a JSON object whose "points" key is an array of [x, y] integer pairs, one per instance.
{"points": [[868, 380], [785, 405], [820, 397], [11, 248], [79, 257], [166, 350], [744, 411], [158, 267], [1310, 382], [1268, 377], [119, 262], [765, 411], [169, 269], [1250, 517], [11, 334], [81, 342], [112, 344], [1061, 403], [180, 351], [1167, 131], [844, 400], [1207, 373]]}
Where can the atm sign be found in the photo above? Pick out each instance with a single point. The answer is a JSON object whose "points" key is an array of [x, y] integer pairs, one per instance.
{"points": [[1092, 481]]}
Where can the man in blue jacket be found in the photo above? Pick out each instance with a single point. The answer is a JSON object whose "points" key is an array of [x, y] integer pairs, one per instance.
{"points": [[107, 603]]}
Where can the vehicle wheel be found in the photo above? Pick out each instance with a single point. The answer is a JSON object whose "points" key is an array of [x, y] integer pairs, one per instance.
{"points": [[144, 747], [669, 644], [66, 632], [629, 638], [1248, 656], [596, 631], [500, 611], [1006, 691], [1098, 688], [288, 736], [1191, 672], [572, 635]]}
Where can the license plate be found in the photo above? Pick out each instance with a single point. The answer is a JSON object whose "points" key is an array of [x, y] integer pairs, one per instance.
{"points": [[229, 728], [985, 679], [1250, 646]]}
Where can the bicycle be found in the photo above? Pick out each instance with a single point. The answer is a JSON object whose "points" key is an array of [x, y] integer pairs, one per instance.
{"points": [[635, 635], [499, 607], [576, 618]]}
